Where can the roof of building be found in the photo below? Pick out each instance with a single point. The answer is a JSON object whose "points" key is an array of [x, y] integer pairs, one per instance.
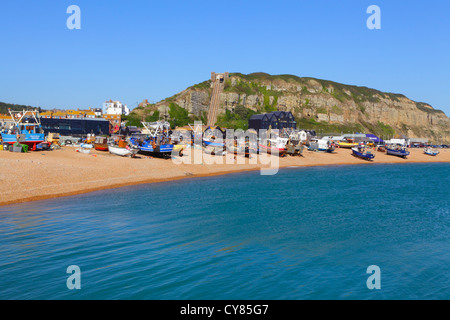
{"points": [[258, 116], [59, 114], [74, 112]]}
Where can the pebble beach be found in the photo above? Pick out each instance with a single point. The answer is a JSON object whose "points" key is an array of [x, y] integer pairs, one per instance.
{"points": [[48, 174]]}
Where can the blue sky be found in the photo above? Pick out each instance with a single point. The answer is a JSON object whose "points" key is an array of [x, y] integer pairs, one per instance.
{"points": [[135, 50]]}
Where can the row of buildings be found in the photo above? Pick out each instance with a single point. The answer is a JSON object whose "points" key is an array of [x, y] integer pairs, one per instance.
{"points": [[100, 120], [112, 111], [109, 108]]}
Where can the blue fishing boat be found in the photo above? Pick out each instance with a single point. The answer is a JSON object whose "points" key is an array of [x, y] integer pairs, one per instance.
{"points": [[26, 129], [209, 143], [362, 153], [157, 141], [152, 147], [397, 150], [429, 151]]}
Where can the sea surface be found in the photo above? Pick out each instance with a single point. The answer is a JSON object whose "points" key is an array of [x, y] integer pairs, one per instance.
{"points": [[305, 233]]}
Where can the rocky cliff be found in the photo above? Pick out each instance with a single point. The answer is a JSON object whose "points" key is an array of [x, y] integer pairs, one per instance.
{"points": [[326, 106]]}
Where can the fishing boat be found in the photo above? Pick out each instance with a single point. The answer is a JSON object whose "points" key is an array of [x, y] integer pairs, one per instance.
{"points": [[397, 150], [84, 150], [101, 143], [157, 142], [122, 148], [347, 144], [321, 145], [429, 151], [294, 148], [272, 150], [274, 146], [25, 130], [363, 153], [152, 146], [295, 144], [212, 143]]}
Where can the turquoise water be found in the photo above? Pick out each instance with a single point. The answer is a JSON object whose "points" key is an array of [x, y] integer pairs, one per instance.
{"points": [[305, 233]]}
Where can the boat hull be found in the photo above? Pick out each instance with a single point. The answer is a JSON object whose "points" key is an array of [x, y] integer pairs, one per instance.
{"points": [[123, 152], [347, 145], [271, 150], [85, 151], [164, 148], [101, 146], [212, 144], [365, 156], [328, 149], [30, 139], [398, 153]]}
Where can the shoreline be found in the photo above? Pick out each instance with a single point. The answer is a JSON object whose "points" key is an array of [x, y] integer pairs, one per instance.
{"points": [[65, 165]]}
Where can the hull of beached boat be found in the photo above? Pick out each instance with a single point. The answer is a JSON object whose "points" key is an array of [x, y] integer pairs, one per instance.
{"points": [[362, 155], [24, 138], [399, 153], [272, 150], [123, 152], [101, 146], [348, 145], [162, 149], [329, 149], [431, 153], [30, 139], [85, 151], [208, 143]]}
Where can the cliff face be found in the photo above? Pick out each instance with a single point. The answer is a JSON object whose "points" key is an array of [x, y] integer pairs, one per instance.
{"points": [[320, 104]]}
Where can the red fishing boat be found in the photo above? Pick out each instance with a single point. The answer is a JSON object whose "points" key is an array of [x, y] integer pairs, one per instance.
{"points": [[274, 146], [101, 143]]}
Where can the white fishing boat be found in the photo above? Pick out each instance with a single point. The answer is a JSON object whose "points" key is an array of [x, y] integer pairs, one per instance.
{"points": [[84, 150], [429, 151], [123, 152], [321, 145]]}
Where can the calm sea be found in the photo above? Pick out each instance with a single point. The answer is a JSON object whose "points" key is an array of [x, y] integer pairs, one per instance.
{"points": [[305, 233]]}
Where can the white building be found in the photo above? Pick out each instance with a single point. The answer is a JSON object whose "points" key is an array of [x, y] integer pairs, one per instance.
{"points": [[397, 141], [115, 107]]}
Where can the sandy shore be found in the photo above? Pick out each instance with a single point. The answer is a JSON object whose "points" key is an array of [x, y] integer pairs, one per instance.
{"points": [[48, 174]]}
